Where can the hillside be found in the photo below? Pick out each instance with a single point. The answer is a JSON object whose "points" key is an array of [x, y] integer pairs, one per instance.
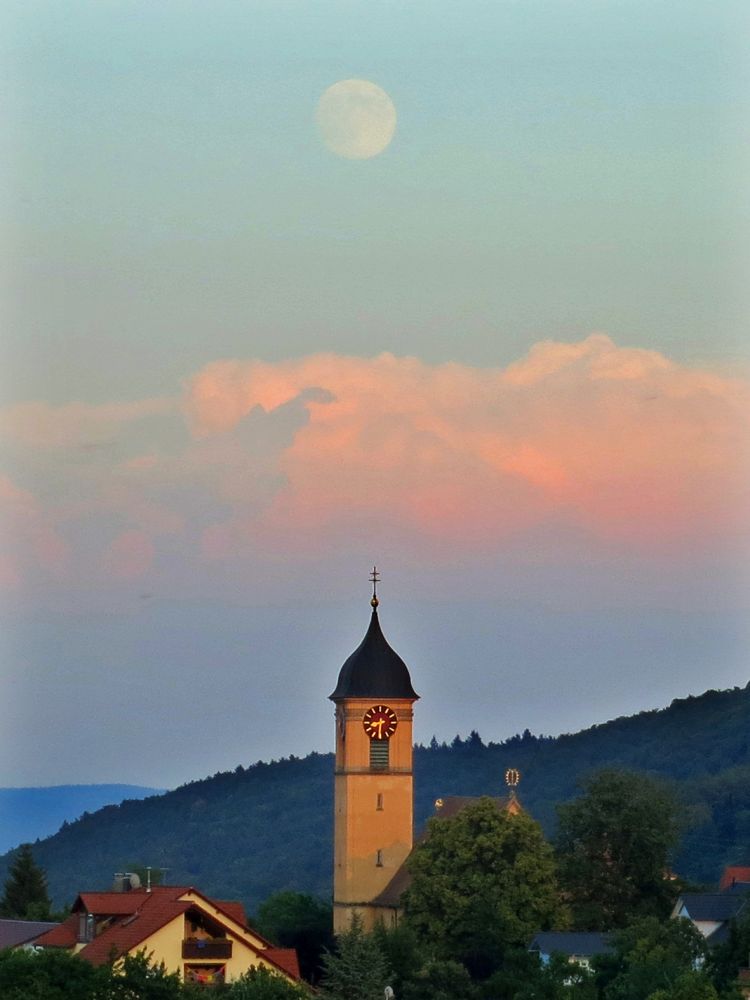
{"points": [[29, 813], [250, 832]]}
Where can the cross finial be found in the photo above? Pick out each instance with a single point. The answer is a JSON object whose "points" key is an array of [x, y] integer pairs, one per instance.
{"points": [[374, 580]]}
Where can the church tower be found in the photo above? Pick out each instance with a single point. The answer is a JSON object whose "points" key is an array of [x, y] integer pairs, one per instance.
{"points": [[373, 783]]}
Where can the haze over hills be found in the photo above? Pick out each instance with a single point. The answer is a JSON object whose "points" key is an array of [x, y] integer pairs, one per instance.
{"points": [[30, 813], [247, 833]]}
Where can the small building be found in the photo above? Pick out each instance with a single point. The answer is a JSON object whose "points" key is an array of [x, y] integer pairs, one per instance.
{"points": [[736, 878], [711, 912], [578, 947], [23, 933], [204, 940]]}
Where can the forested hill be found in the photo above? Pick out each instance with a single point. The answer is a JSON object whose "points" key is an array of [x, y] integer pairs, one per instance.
{"points": [[247, 833], [27, 813]]}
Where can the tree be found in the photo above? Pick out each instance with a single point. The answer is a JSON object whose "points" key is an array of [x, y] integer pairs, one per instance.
{"points": [[260, 984], [650, 955], [139, 978], [358, 969], [296, 920], [483, 882], [614, 845], [25, 896], [440, 980], [403, 952], [50, 975], [690, 986], [726, 959], [557, 979]]}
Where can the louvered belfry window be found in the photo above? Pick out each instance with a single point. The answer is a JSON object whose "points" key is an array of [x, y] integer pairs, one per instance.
{"points": [[379, 755]]}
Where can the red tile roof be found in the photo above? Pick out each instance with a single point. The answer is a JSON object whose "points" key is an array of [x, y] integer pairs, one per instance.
{"points": [[734, 874], [234, 910], [64, 935], [156, 909], [285, 958], [110, 903]]}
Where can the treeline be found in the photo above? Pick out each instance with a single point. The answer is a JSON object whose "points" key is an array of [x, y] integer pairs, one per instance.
{"points": [[483, 884], [248, 833]]}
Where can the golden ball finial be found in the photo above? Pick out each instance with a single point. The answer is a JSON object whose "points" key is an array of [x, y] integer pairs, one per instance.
{"points": [[374, 602]]}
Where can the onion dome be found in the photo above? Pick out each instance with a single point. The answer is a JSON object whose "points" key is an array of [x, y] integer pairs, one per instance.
{"points": [[374, 670]]}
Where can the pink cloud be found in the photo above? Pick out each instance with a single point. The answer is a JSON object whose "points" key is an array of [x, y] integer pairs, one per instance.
{"points": [[617, 444], [624, 442]]}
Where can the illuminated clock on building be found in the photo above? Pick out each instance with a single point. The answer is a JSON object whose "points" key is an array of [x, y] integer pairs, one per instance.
{"points": [[380, 722]]}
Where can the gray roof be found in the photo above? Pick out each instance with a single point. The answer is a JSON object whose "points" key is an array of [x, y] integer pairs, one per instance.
{"points": [[738, 888], [374, 670], [582, 944], [714, 906], [16, 932]]}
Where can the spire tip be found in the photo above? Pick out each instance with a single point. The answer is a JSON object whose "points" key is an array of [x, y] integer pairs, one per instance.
{"points": [[374, 580]]}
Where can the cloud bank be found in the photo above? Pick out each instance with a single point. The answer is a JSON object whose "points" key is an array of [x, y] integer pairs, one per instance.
{"points": [[621, 445]]}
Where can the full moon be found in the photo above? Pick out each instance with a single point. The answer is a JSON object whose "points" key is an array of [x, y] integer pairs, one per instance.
{"points": [[356, 119]]}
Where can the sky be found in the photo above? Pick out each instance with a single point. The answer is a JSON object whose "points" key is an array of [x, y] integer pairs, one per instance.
{"points": [[245, 357]]}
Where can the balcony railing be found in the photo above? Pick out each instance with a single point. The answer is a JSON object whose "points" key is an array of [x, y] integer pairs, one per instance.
{"points": [[207, 948]]}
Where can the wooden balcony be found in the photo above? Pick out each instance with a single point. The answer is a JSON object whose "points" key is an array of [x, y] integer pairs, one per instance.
{"points": [[207, 948]]}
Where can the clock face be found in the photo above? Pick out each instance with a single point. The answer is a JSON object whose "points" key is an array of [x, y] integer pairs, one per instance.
{"points": [[380, 722]]}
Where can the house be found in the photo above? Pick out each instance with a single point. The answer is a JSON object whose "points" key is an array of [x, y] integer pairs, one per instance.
{"points": [[23, 933], [577, 946], [205, 940], [736, 878], [711, 912]]}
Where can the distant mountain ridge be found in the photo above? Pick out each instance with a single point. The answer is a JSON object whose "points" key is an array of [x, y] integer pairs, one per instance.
{"points": [[28, 814], [247, 833]]}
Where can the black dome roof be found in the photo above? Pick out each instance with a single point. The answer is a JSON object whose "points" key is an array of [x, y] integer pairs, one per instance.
{"points": [[374, 670]]}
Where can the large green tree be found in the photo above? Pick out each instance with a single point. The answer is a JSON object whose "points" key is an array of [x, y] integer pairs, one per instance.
{"points": [[297, 920], [483, 882], [25, 896], [614, 844]]}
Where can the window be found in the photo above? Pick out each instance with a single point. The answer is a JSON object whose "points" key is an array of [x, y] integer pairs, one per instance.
{"points": [[379, 755], [379, 858], [205, 975], [379, 805]]}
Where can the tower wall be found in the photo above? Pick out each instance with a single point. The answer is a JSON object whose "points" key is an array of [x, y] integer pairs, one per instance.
{"points": [[373, 824]]}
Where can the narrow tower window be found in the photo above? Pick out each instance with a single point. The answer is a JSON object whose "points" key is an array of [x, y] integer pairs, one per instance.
{"points": [[379, 858], [379, 805]]}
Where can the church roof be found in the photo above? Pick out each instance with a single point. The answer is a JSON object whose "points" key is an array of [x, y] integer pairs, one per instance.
{"points": [[374, 670]]}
